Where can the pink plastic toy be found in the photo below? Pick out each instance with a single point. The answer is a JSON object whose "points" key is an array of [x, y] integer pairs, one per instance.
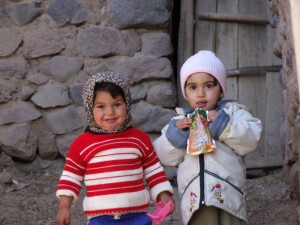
{"points": [[161, 212]]}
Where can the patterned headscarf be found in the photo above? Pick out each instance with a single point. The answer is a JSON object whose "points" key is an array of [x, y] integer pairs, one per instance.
{"points": [[88, 97]]}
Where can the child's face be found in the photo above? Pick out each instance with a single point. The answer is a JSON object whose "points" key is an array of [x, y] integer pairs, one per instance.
{"points": [[202, 92], [109, 113]]}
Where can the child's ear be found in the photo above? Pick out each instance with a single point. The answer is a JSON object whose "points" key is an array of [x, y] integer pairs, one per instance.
{"points": [[222, 95]]}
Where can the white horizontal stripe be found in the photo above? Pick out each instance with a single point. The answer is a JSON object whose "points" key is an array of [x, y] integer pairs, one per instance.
{"points": [[156, 168], [116, 154], [66, 193], [120, 173], [69, 159], [123, 143], [100, 168], [115, 140], [116, 201], [66, 175], [114, 180]]}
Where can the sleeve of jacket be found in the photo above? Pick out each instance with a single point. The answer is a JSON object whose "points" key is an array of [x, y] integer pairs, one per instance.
{"points": [[166, 152], [243, 131]]}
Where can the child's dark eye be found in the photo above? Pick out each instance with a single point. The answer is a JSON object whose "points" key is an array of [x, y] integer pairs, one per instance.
{"points": [[119, 104], [192, 87], [210, 85]]}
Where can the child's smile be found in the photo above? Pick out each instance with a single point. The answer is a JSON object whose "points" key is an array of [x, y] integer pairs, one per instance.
{"points": [[109, 113]]}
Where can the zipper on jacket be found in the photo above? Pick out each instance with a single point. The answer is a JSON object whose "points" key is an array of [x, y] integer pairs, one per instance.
{"points": [[201, 179]]}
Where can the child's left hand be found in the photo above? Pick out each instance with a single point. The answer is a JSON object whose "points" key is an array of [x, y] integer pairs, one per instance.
{"points": [[166, 196], [211, 115]]}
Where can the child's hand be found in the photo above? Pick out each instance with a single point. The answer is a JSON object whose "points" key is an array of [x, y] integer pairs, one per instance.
{"points": [[183, 123], [166, 196], [63, 216], [212, 115], [64, 213]]}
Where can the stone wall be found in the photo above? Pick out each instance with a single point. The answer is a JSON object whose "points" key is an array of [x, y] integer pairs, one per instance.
{"points": [[284, 48], [50, 48]]}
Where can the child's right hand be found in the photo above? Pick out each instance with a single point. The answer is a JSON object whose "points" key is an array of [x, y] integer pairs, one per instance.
{"points": [[165, 197], [63, 216], [183, 123], [64, 213]]}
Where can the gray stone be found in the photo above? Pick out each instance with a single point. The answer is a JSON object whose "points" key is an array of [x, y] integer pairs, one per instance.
{"points": [[81, 113], [47, 148], [65, 11], [12, 39], [26, 92], [139, 13], [51, 95], [138, 92], [22, 14], [150, 118], [129, 42], [61, 68], [46, 140], [63, 120], [7, 89], [63, 142], [157, 44], [100, 41], [37, 78], [5, 177], [5, 160], [18, 141], [16, 112], [97, 41], [75, 92], [42, 42], [136, 69], [14, 67], [163, 94]]}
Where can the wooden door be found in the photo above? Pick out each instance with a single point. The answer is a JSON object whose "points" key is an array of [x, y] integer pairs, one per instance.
{"points": [[239, 33]]}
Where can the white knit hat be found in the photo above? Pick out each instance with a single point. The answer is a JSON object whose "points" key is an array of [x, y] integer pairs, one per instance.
{"points": [[203, 61]]}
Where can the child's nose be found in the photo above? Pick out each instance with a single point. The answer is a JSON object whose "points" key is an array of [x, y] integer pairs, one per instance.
{"points": [[201, 92], [109, 110]]}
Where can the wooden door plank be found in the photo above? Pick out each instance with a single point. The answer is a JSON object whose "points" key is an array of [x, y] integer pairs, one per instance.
{"points": [[274, 115], [253, 39], [205, 31], [185, 42], [270, 153], [252, 93], [226, 43]]}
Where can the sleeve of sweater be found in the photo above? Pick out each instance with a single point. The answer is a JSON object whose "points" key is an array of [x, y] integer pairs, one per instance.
{"points": [[168, 153], [154, 172], [178, 138], [236, 127], [70, 181]]}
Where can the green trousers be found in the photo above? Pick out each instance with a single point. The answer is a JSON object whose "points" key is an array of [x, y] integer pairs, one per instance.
{"points": [[209, 215]]}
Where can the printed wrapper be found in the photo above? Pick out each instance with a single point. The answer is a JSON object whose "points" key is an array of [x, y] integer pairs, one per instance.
{"points": [[200, 140]]}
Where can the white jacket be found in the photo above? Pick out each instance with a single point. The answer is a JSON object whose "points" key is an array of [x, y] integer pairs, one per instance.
{"points": [[216, 178]]}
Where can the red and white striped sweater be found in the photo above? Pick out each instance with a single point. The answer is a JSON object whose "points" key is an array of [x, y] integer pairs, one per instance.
{"points": [[113, 168]]}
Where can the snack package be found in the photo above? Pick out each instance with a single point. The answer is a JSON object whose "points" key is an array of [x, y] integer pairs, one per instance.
{"points": [[200, 140], [161, 212]]}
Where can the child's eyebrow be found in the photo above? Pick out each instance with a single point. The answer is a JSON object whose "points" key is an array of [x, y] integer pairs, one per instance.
{"points": [[205, 82]]}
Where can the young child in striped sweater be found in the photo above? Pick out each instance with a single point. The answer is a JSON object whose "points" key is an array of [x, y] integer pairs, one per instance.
{"points": [[113, 160]]}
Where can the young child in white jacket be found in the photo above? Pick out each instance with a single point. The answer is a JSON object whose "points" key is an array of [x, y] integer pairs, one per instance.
{"points": [[212, 184]]}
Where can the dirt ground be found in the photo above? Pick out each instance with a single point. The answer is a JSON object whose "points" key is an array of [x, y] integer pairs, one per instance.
{"points": [[30, 198]]}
